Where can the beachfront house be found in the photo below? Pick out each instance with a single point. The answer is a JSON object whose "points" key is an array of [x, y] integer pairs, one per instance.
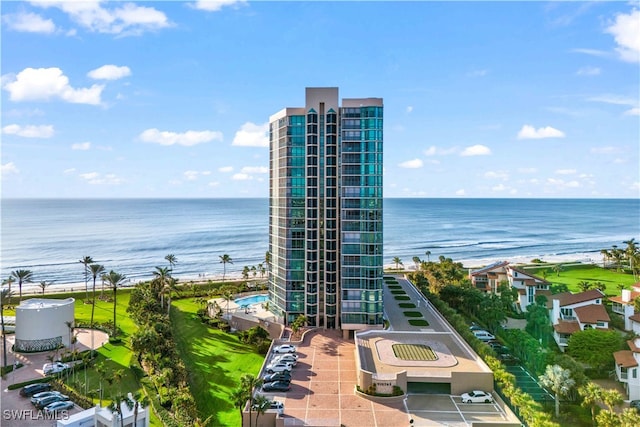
{"points": [[529, 286], [570, 313], [627, 368], [623, 305]]}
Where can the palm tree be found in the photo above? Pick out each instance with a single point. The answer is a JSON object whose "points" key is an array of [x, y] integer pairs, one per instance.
{"points": [[5, 295], [559, 380], [115, 280], [116, 405], [161, 278], [86, 260], [224, 259], [557, 269], [96, 269], [591, 394], [71, 326], [22, 276], [239, 398], [261, 269], [171, 258], [228, 297], [605, 257], [261, 404], [249, 383], [44, 285], [398, 262], [9, 281], [428, 254], [416, 261], [141, 400], [611, 398], [584, 286]]}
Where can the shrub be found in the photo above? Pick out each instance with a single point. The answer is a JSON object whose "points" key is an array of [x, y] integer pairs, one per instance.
{"points": [[398, 292], [407, 305], [418, 322], [412, 314], [402, 298]]}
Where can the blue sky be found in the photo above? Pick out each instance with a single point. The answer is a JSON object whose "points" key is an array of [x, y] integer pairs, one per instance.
{"points": [[172, 99]]}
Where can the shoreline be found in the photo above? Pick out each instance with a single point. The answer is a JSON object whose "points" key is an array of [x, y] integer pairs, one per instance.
{"points": [[581, 257]]}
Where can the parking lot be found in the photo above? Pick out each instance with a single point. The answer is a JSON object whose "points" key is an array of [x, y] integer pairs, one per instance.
{"points": [[323, 394]]}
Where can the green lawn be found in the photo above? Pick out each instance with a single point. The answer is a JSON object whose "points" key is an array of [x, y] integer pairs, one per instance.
{"points": [[574, 274], [215, 361]]}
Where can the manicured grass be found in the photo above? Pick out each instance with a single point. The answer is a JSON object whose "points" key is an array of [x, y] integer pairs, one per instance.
{"points": [[402, 297], [418, 322], [571, 275], [215, 361], [414, 352], [394, 287], [398, 292], [407, 305], [412, 314]]}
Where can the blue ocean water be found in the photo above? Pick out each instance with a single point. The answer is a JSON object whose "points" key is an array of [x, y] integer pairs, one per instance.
{"points": [[132, 236]]}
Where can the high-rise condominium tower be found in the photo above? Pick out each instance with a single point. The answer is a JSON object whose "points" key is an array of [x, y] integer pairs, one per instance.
{"points": [[325, 211]]}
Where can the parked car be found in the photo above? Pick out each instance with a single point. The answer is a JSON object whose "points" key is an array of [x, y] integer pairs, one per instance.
{"points": [[285, 348], [54, 368], [475, 327], [42, 394], [46, 401], [274, 405], [289, 358], [277, 376], [62, 405], [276, 386], [476, 396], [31, 389], [635, 404], [483, 335], [279, 367], [498, 348]]}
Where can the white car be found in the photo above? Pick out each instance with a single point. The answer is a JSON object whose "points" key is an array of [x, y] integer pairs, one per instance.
{"points": [[288, 358], [285, 348], [274, 405], [279, 367], [476, 396], [483, 335], [54, 368]]}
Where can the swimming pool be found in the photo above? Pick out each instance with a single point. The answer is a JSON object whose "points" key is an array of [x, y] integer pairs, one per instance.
{"points": [[254, 299]]}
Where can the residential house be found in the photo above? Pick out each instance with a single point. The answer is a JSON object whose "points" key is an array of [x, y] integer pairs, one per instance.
{"points": [[627, 368], [623, 305], [570, 313], [489, 278]]}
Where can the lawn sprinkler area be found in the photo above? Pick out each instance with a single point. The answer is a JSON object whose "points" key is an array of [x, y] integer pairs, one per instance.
{"points": [[414, 352]]}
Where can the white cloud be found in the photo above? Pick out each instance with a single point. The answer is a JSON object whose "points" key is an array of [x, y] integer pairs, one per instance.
{"points": [[476, 150], [499, 188], [566, 171], [9, 169], [83, 146], [604, 150], [191, 175], [614, 99], [29, 23], [252, 135], [241, 177], [109, 72], [69, 171], [626, 32], [409, 109], [588, 71], [460, 192], [635, 186], [497, 175], [254, 169], [527, 170], [214, 184], [42, 84], [226, 169], [411, 164], [592, 52], [635, 111], [216, 5], [187, 139], [29, 131], [477, 73], [529, 132], [433, 151], [123, 19], [95, 178], [562, 184]]}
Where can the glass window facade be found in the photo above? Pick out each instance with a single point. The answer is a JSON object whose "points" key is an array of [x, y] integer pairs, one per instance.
{"points": [[325, 225]]}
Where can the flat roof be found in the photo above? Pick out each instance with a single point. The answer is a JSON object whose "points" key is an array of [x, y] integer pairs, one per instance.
{"points": [[40, 303]]}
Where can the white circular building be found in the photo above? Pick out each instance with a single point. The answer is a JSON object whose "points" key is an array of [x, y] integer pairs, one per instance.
{"points": [[43, 324]]}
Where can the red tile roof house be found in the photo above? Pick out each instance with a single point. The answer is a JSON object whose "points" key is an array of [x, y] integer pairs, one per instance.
{"points": [[627, 368], [571, 313], [623, 305], [489, 278]]}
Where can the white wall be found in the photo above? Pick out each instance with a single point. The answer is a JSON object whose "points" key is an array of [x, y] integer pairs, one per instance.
{"points": [[38, 319]]}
